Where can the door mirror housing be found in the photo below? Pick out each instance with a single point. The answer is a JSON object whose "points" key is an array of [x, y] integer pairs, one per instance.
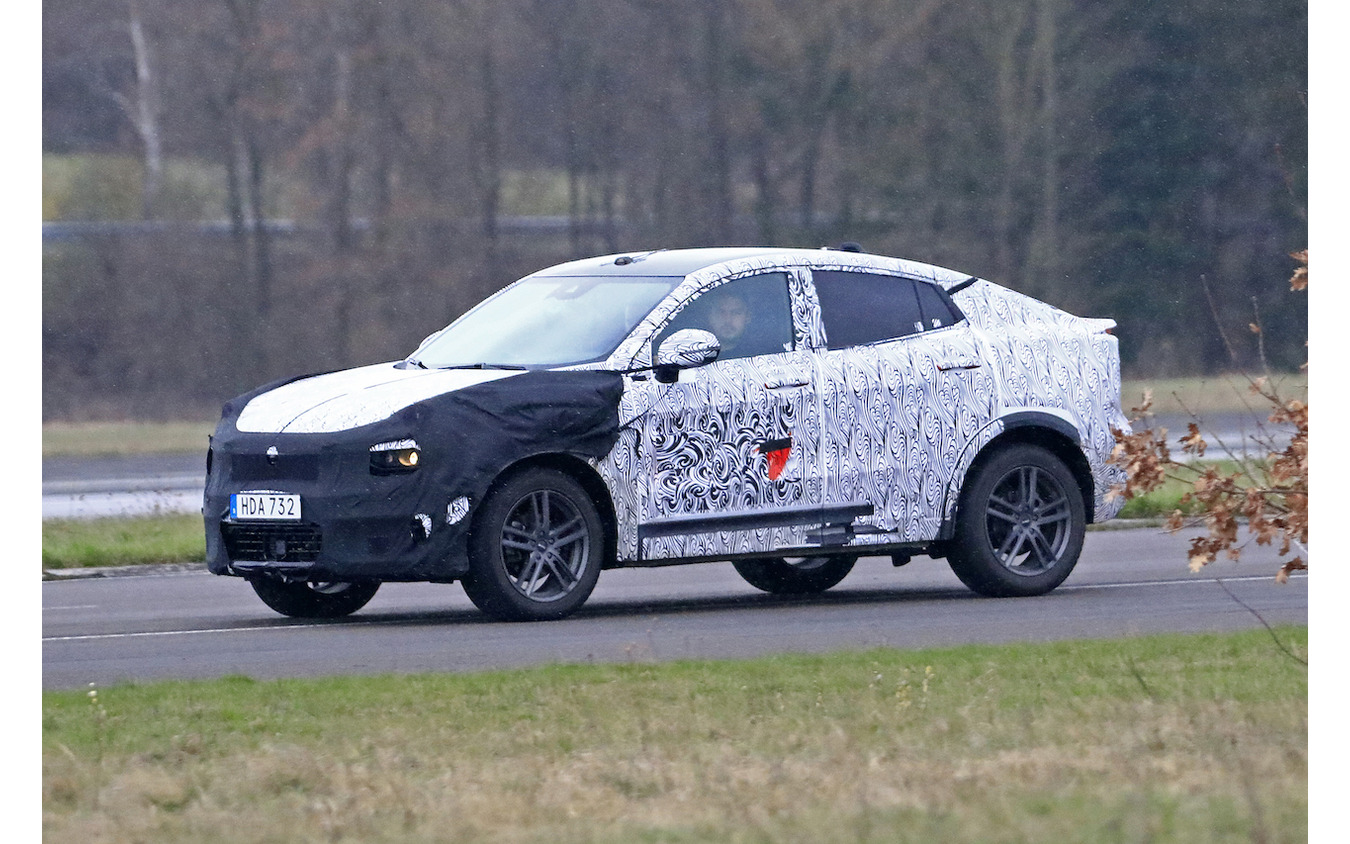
{"points": [[686, 349]]}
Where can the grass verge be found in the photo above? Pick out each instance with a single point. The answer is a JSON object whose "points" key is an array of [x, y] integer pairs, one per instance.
{"points": [[1162, 501], [1159, 503], [1165, 738], [84, 543]]}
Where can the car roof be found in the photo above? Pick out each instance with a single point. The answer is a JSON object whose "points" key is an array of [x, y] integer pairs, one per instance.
{"points": [[660, 262], [683, 262]]}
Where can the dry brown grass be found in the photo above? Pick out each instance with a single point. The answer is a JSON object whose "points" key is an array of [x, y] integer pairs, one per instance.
{"points": [[1204, 395], [1182, 739], [99, 439]]}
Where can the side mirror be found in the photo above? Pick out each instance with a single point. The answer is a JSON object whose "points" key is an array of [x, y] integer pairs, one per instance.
{"points": [[685, 349]]}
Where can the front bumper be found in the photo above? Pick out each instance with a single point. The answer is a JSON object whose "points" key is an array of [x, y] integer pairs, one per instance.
{"points": [[354, 526]]}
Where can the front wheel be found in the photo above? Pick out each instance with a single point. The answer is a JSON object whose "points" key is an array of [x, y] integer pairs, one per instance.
{"points": [[536, 548], [301, 599], [1020, 524], [794, 575]]}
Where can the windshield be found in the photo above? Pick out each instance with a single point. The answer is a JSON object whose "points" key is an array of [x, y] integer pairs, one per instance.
{"points": [[547, 321]]}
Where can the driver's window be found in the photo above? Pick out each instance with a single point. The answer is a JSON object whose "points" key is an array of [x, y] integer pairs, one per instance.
{"points": [[749, 316]]}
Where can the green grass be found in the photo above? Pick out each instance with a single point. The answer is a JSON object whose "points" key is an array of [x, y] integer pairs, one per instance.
{"points": [[1158, 504], [1165, 738], [90, 187], [83, 543], [1163, 501]]}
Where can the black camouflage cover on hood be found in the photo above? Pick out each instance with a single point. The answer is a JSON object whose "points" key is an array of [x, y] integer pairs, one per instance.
{"points": [[409, 526]]}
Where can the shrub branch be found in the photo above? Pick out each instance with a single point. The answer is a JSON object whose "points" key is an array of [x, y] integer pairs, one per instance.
{"points": [[1268, 489]]}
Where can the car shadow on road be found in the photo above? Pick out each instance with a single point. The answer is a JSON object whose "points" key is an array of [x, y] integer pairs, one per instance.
{"points": [[645, 608]]}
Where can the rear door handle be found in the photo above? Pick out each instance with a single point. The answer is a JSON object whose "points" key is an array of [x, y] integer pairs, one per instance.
{"points": [[949, 365], [786, 384]]}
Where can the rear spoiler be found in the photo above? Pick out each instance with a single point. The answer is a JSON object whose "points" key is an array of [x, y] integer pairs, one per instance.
{"points": [[1099, 326]]}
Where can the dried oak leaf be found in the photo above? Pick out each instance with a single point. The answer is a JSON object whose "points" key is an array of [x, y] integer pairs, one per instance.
{"points": [[1193, 442], [1296, 564], [1299, 281]]}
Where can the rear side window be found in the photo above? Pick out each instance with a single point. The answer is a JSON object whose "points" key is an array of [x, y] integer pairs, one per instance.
{"points": [[859, 307]]}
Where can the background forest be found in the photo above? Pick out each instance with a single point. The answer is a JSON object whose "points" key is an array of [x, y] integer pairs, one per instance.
{"points": [[239, 190]]}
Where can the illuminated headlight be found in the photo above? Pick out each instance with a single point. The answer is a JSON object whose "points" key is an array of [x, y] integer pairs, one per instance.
{"points": [[394, 457]]}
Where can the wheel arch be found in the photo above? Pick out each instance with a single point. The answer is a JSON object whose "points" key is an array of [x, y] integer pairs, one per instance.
{"points": [[583, 473], [1046, 428]]}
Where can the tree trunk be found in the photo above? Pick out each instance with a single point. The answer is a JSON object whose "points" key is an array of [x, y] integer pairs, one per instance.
{"points": [[144, 113], [1046, 250], [262, 247], [766, 194], [719, 142], [490, 165]]}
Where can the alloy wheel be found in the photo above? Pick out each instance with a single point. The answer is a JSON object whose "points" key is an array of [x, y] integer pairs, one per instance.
{"points": [[545, 545], [1028, 518]]}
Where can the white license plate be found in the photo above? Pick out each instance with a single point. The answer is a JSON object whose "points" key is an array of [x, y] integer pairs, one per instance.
{"points": [[264, 505]]}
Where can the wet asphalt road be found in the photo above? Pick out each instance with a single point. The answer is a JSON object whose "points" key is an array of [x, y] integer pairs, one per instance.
{"points": [[85, 487], [195, 625]]}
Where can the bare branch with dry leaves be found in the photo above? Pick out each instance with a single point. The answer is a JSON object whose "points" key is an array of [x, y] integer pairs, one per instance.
{"points": [[1268, 490]]}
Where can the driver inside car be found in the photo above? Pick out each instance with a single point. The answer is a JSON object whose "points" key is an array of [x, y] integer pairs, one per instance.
{"points": [[728, 321]]}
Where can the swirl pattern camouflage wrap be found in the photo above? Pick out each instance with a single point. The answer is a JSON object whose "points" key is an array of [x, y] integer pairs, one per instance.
{"points": [[1043, 357], [894, 425]]}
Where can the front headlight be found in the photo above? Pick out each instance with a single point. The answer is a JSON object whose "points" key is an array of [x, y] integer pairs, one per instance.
{"points": [[394, 457]]}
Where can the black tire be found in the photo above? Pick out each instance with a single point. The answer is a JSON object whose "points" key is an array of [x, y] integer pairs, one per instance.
{"points": [[299, 599], [794, 575], [1020, 524], [536, 548]]}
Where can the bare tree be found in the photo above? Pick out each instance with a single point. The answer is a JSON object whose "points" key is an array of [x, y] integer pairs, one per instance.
{"points": [[143, 107]]}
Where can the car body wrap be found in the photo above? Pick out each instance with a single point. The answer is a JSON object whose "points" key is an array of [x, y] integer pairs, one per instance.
{"points": [[407, 525]]}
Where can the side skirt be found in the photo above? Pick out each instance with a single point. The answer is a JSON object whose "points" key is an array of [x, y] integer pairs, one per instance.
{"points": [[833, 523]]}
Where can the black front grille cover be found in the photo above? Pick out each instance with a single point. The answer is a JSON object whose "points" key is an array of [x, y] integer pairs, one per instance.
{"points": [[260, 467], [300, 542]]}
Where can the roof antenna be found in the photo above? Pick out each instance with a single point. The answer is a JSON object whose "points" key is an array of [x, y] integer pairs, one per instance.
{"points": [[625, 260], [850, 246]]}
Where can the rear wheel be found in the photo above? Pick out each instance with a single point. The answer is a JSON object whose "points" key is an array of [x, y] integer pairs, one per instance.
{"points": [[536, 549], [301, 599], [1020, 525], [794, 575]]}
